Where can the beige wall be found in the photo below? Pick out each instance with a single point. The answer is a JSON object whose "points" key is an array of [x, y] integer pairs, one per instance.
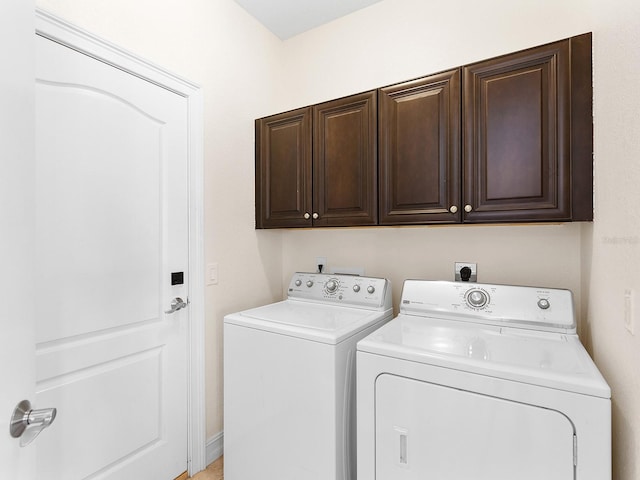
{"points": [[397, 40], [611, 251], [246, 73], [547, 255]]}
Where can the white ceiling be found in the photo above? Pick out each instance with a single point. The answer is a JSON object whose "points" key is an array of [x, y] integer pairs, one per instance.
{"points": [[286, 18]]}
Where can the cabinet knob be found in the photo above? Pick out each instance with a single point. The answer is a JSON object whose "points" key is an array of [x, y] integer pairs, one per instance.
{"points": [[315, 216], [453, 209], [468, 208], [307, 216]]}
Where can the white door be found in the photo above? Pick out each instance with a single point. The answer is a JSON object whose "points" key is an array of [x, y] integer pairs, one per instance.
{"points": [[111, 255], [16, 229]]}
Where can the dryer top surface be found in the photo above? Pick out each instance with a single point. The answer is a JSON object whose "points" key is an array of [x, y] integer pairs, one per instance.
{"points": [[549, 359]]}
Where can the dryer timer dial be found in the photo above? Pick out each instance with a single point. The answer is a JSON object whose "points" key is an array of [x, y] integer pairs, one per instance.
{"points": [[477, 298], [544, 303]]}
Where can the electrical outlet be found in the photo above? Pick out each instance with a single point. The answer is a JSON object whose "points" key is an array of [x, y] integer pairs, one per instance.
{"points": [[628, 310], [460, 265]]}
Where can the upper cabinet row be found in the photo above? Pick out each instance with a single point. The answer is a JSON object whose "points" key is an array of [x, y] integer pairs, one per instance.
{"points": [[503, 140]]}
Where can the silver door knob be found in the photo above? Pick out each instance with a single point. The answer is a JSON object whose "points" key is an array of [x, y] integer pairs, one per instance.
{"points": [[307, 216], [27, 423], [468, 208], [315, 216], [453, 209], [177, 304]]}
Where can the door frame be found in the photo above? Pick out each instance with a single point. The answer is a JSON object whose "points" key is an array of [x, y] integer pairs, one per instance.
{"points": [[60, 31]]}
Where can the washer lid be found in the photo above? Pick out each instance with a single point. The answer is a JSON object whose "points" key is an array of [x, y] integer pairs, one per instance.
{"points": [[318, 322], [548, 359]]}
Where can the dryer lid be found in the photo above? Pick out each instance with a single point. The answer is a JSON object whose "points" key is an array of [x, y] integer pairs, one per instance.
{"points": [[312, 321], [548, 359]]}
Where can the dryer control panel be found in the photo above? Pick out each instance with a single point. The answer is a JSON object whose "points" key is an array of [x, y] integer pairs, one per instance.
{"points": [[369, 292], [514, 306]]}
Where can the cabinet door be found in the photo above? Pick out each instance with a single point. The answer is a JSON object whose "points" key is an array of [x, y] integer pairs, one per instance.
{"points": [[283, 169], [419, 138], [517, 136], [344, 161]]}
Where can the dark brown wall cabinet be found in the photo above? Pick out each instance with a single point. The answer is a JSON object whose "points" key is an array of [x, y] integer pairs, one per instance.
{"points": [[503, 140], [283, 169], [528, 137], [317, 166], [419, 123]]}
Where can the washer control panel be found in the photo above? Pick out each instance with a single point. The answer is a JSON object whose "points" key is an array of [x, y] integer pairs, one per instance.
{"points": [[341, 289], [515, 306]]}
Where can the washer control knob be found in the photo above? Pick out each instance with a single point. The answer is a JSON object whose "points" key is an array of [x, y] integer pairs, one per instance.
{"points": [[543, 303], [298, 282], [371, 289], [331, 286], [477, 298], [309, 283], [356, 288]]}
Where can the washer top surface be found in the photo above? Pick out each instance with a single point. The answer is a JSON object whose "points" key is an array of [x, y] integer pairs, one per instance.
{"points": [[323, 308], [319, 322], [428, 332]]}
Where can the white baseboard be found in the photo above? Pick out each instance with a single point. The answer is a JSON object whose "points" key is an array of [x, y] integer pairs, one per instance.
{"points": [[215, 447]]}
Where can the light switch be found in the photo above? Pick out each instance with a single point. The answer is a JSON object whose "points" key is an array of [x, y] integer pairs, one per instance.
{"points": [[212, 274]]}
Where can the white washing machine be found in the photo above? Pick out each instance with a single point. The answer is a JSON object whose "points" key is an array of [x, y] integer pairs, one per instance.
{"points": [[482, 382], [289, 379]]}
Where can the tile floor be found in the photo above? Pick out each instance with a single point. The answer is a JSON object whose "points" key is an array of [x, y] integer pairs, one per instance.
{"points": [[213, 471]]}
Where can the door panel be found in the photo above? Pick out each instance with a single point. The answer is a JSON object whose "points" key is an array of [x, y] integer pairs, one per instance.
{"points": [[424, 430], [344, 161], [98, 214], [111, 226], [283, 169], [513, 166], [419, 123], [88, 445], [517, 155]]}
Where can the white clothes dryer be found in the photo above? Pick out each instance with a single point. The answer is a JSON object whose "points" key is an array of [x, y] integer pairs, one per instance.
{"points": [[482, 382], [289, 379]]}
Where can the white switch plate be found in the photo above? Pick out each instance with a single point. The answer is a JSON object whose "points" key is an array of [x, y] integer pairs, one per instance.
{"points": [[628, 310], [212, 274]]}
